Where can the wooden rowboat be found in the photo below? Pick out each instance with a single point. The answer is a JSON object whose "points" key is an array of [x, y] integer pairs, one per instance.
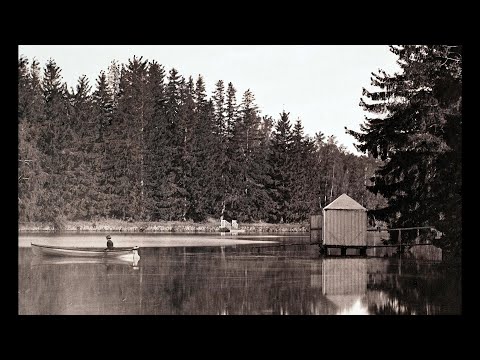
{"points": [[45, 250]]}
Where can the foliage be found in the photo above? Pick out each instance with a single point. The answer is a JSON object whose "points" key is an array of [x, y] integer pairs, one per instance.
{"points": [[416, 129], [149, 145]]}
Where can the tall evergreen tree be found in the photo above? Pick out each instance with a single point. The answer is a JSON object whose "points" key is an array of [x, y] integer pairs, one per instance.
{"points": [[80, 176], [31, 176], [219, 109], [302, 160], [54, 131], [233, 170], [173, 199], [154, 139], [203, 187], [231, 110], [261, 198], [114, 74], [102, 114], [281, 167], [188, 123], [310, 193], [221, 160], [134, 112], [242, 144], [416, 130]]}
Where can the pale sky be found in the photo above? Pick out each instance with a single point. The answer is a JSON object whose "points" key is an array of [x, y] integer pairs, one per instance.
{"points": [[320, 84]]}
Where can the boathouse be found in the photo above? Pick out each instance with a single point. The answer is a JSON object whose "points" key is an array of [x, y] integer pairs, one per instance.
{"points": [[344, 223]]}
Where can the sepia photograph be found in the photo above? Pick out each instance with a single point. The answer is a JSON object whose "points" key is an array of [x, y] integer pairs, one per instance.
{"points": [[258, 180]]}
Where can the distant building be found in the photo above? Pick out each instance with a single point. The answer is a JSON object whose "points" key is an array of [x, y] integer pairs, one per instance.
{"points": [[344, 222], [224, 224]]}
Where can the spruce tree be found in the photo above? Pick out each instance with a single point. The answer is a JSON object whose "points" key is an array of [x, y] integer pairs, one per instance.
{"points": [[311, 194], [154, 140], [31, 176], [80, 175], [203, 186], [232, 188], [172, 203], [54, 131], [231, 110], [102, 113], [281, 168], [416, 129], [188, 123], [243, 145], [260, 170], [302, 160]]}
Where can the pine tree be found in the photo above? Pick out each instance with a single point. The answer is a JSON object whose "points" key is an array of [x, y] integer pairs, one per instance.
{"points": [[80, 176], [243, 145], [188, 123], [416, 130], [281, 165], [54, 132], [232, 188], [102, 114], [203, 187], [231, 110], [113, 77], [260, 171], [134, 112], [219, 109], [173, 200], [31, 176], [221, 140], [311, 192], [154, 140], [302, 160]]}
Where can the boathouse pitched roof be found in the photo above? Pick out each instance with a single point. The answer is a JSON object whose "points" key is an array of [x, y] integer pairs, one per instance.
{"points": [[344, 202]]}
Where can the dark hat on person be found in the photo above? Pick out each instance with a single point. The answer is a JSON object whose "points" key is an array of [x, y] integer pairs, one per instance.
{"points": [[108, 236]]}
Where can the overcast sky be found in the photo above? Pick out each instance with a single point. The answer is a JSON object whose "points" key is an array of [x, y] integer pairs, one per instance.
{"points": [[320, 84]]}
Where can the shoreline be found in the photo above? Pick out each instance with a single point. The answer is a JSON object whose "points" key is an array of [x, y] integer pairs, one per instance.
{"points": [[116, 226]]}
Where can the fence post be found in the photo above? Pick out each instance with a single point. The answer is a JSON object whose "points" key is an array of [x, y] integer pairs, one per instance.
{"points": [[400, 240]]}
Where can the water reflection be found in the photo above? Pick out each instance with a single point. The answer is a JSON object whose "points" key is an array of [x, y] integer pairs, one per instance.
{"points": [[345, 284], [229, 280], [51, 260]]}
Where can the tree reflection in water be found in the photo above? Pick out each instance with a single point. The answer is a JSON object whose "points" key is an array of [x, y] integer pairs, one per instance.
{"points": [[242, 280]]}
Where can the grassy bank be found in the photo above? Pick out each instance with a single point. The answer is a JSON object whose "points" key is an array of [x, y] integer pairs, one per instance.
{"points": [[157, 226]]}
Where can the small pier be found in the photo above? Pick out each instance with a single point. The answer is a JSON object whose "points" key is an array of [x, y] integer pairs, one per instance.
{"points": [[341, 230], [362, 250]]}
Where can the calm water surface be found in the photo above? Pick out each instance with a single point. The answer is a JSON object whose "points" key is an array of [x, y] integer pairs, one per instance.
{"points": [[214, 274]]}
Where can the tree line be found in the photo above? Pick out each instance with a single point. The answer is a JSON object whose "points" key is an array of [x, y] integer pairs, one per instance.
{"points": [[147, 144]]}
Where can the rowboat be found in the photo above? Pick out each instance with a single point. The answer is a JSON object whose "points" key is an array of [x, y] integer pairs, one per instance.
{"points": [[45, 250]]}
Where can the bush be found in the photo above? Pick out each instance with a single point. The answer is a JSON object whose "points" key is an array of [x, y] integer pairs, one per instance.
{"points": [[58, 224]]}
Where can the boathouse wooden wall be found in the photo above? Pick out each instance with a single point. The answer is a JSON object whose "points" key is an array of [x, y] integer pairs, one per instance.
{"points": [[344, 222], [345, 227]]}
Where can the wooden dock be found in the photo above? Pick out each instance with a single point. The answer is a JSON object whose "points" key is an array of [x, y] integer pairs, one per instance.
{"points": [[362, 249], [324, 249]]}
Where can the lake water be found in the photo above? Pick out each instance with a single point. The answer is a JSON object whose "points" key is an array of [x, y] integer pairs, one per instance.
{"points": [[229, 275]]}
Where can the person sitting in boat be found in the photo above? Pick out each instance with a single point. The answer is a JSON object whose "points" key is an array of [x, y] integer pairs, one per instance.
{"points": [[109, 242]]}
